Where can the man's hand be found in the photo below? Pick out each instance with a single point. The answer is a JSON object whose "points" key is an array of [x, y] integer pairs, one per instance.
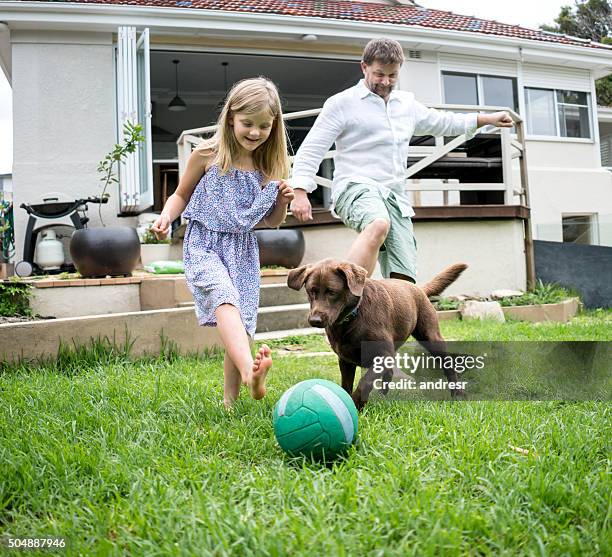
{"points": [[498, 119], [300, 206], [285, 193]]}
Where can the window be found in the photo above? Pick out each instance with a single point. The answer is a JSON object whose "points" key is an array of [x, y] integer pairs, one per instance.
{"points": [[558, 113], [580, 229], [486, 90], [460, 89]]}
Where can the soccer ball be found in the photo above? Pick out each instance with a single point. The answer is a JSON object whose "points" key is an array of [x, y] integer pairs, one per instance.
{"points": [[315, 418]]}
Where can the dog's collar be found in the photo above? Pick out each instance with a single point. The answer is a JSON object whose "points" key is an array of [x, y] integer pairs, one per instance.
{"points": [[350, 315]]}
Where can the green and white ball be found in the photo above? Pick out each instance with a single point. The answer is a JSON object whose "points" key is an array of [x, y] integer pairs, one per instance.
{"points": [[315, 418]]}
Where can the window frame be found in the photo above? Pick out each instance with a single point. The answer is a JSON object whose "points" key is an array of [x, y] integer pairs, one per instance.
{"points": [[479, 86], [593, 223], [558, 136]]}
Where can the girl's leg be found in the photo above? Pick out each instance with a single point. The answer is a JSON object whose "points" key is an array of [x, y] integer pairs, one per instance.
{"points": [[234, 337], [231, 383]]}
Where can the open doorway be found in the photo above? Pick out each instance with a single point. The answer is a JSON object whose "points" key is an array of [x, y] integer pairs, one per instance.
{"points": [[203, 81]]}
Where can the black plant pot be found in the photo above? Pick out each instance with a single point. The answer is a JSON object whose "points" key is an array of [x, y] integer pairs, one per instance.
{"points": [[98, 252], [284, 247]]}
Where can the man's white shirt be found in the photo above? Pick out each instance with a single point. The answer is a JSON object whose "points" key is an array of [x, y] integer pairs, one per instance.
{"points": [[372, 139]]}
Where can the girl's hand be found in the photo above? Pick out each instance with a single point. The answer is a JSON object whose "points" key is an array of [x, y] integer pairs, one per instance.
{"points": [[161, 226], [285, 193]]}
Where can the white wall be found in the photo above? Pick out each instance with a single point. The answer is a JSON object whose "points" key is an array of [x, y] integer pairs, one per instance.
{"points": [[565, 176], [493, 250], [422, 78], [64, 118], [565, 191]]}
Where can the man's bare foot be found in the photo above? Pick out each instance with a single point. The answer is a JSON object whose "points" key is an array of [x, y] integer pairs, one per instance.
{"points": [[261, 365]]}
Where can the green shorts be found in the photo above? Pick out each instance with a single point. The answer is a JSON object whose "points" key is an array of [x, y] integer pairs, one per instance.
{"points": [[359, 204]]}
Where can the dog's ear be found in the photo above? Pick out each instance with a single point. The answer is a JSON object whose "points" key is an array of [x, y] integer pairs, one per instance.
{"points": [[297, 277], [355, 277]]}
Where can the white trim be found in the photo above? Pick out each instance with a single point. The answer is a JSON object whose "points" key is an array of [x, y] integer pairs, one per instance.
{"points": [[557, 119], [127, 96], [5, 52], [592, 100], [476, 65], [558, 139], [520, 90], [604, 114], [145, 196], [256, 51], [104, 17]]}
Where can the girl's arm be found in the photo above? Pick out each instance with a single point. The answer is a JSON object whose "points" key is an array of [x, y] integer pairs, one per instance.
{"points": [[176, 203], [283, 198]]}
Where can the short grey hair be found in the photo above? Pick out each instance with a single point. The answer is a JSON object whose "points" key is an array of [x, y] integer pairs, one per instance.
{"points": [[385, 51]]}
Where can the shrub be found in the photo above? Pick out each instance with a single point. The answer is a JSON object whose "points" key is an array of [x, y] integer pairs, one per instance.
{"points": [[15, 299], [542, 293]]}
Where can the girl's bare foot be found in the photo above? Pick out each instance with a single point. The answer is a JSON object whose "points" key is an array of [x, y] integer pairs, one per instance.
{"points": [[261, 365]]}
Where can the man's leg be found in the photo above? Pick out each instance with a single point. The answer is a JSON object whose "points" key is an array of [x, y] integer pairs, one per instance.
{"points": [[399, 259], [362, 208], [364, 250]]}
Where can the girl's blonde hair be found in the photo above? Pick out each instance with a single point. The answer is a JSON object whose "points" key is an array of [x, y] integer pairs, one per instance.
{"points": [[250, 96]]}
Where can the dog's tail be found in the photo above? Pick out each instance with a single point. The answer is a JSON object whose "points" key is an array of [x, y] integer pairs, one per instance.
{"points": [[442, 281]]}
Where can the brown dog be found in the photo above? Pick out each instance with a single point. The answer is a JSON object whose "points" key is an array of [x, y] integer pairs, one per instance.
{"points": [[355, 310]]}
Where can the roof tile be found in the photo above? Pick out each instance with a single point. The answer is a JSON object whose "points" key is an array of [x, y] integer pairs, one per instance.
{"points": [[360, 11]]}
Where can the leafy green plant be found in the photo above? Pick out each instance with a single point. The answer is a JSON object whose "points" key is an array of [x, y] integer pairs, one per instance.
{"points": [[15, 299], [7, 230], [444, 304], [543, 293], [132, 136]]}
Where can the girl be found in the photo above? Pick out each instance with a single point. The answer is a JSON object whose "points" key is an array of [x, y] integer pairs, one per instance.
{"points": [[227, 190]]}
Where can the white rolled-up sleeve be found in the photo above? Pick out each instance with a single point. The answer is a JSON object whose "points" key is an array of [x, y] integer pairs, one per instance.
{"points": [[429, 121], [328, 125]]}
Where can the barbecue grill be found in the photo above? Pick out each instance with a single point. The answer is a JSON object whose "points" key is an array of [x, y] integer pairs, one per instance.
{"points": [[44, 213]]}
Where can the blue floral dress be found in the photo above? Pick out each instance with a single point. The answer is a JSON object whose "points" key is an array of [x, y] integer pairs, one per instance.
{"points": [[220, 250]]}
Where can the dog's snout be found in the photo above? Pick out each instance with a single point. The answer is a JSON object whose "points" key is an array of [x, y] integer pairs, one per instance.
{"points": [[316, 321]]}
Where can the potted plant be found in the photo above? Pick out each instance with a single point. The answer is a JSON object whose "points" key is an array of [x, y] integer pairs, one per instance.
{"points": [[7, 237], [152, 249], [110, 250]]}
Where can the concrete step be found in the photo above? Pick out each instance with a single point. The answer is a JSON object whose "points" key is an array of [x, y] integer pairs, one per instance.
{"points": [[269, 295], [280, 295], [279, 318], [273, 335]]}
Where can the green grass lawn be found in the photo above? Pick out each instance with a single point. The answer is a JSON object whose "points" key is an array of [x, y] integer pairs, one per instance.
{"points": [[126, 457]]}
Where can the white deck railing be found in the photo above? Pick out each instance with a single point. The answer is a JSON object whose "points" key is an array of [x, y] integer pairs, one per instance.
{"points": [[512, 147], [514, 180]]}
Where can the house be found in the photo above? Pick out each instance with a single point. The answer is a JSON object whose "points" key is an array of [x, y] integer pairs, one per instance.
{"points": [[79, 68]]}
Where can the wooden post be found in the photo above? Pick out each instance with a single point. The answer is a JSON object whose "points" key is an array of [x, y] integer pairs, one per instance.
{"points": [[506, 153], [529, 258]]}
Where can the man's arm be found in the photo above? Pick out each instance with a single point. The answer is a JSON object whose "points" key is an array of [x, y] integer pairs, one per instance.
{"points": [[498, 119], [320, 138], [430, 121]]}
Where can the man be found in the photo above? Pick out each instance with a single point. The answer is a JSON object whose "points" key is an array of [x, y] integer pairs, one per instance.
{"points": [[371, 125]]}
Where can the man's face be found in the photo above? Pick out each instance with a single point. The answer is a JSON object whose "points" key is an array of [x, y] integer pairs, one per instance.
{"points": [[380, 78]]}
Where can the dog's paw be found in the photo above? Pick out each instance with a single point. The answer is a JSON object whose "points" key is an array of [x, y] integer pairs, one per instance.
{"points": [[458, 394], [358, 402]]}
